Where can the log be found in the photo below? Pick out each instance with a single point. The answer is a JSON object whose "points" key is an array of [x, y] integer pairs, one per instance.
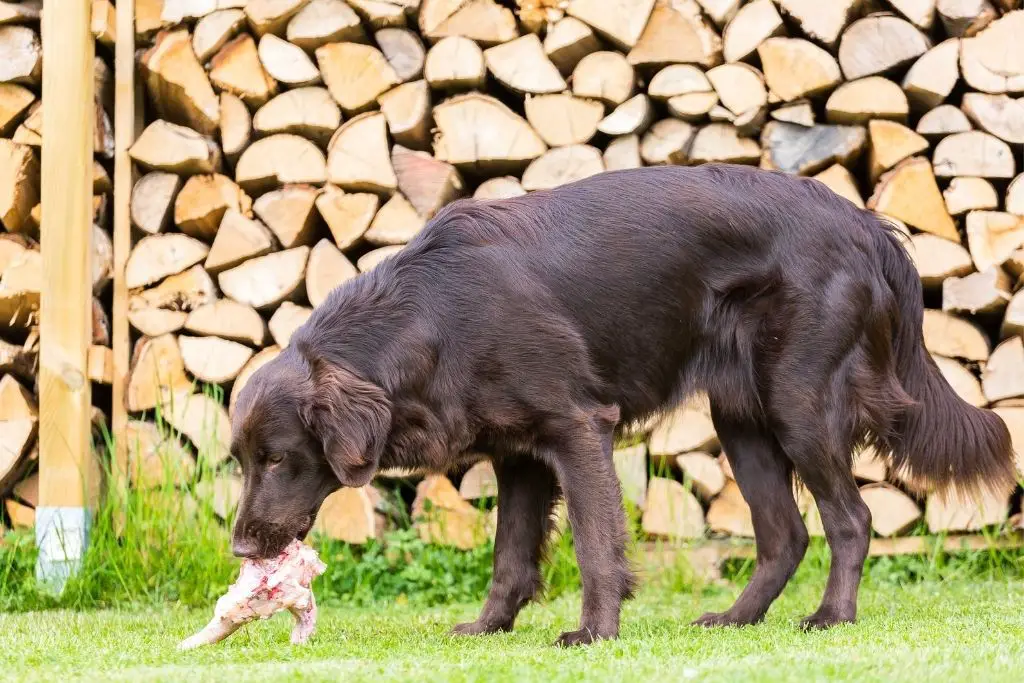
{"points": [[158, 256], [255, 363], [235, 126], [407, 111], [921, 13], [965, 17], [441, 516], [188, 10], [955, 513], [157, 372], [308, 112], [1015, 196], [478, 133], [290, 214], [27, 490], [692, 107], [371, 259], [177, 84], [910, 193], [631, 468], [427, 183], [503, 187], [671, 511], [561, 166], [632, 117], [942, 121], [989, 61], [271, 16], [203, 201], [479, 481], [236, 68], [404, 52], [324, 21], [795, 69], [973, 153], [678, 79], [677, 33], [564, 119], [933, 76], [213, 31], [1013, 321], [874, 97], [20, 516], [838, 179], [286, 63], [484, 21], [20, 11], [355, 74], [358, 158], [348, 215], [879, 44], [976, 293], [998, 115], [18, 360], [1003, 376], [892, 511], [266, 281], [204, 422], [229, 320], [155, 459], [522, 67], [213, 359], [821, 22], [890, 143], [807, 150], [621, 23], [567, 41], [178, 293], [14, 102], [687, 428], [277, 160], [962, 380], [21, 56], [19, 185], [730, 514], [19, 419], [702, 473], [604, 76], [993, 237], [954, 337], [397, 222], [155, 322], [720, 143], [238, 239], [148, 18], [665, 138], [720, 12], [327, 268], [1013, 417], [868, 466], [740, 87], [754, 23], [349, 515], [623, 152], [220, 493], [455, 63], [164, 146]]}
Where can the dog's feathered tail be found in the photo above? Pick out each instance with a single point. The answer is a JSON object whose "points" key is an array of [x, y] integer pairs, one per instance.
{"points": [[939, 440]]}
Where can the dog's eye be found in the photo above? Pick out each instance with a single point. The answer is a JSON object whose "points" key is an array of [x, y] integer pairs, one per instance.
{"points": [[275, 457]]}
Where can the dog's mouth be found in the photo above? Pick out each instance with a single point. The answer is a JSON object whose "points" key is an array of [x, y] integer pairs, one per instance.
{"points": [[307, 526]]}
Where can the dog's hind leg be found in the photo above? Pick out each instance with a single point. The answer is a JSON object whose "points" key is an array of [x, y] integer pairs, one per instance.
{"points": [[527, 492], [764, 475]]}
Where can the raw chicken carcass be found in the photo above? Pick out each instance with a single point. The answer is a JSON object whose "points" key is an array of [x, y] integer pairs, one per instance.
{"points": [[265, 587]]}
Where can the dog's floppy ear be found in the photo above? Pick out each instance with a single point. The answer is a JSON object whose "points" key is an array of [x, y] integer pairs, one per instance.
{"points": [[351, 417]]}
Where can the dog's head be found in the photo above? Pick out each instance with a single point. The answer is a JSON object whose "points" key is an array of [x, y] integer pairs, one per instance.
{"points": [[302, 428]]}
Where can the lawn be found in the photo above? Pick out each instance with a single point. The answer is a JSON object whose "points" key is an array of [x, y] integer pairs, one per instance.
{"points": [[927, 631]]}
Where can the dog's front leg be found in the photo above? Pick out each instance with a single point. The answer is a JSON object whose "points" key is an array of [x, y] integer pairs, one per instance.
{"points": [[583, 462], [526, 494]]}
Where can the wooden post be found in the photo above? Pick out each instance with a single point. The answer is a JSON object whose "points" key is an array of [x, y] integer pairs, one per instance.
{"points": [[125, 128], [62, 518]]}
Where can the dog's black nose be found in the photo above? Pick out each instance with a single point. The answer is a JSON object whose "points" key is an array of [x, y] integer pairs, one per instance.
{"points": [[244, 548]]}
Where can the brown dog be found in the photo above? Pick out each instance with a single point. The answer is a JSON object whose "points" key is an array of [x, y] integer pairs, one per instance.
{"points": [[532, 328]]}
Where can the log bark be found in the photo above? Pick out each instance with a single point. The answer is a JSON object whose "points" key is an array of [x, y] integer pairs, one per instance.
{"points": [[19, 185], [567, 41], [358, 158]]}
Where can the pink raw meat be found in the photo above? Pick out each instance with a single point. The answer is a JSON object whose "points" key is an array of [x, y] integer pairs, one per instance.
{"points": [[265, 587]]}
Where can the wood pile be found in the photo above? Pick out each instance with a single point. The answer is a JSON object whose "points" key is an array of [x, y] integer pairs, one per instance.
{"points": [[21, 275], [291, 144]]}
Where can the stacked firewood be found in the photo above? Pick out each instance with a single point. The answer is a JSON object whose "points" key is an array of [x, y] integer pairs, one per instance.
{"points": [[291, 144], [21, 115]]}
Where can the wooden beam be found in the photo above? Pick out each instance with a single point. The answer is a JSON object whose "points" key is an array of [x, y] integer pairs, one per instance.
{"points": [[127, 120], [62, 519]]}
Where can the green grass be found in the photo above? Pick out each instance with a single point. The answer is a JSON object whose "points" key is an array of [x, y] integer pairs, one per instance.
{"points": [[924, 632]]}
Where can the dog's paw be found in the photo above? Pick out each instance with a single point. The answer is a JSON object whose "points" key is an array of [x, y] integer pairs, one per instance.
{"points": [[583, 636], [822, 620], [479, 628], [717, 619]]}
